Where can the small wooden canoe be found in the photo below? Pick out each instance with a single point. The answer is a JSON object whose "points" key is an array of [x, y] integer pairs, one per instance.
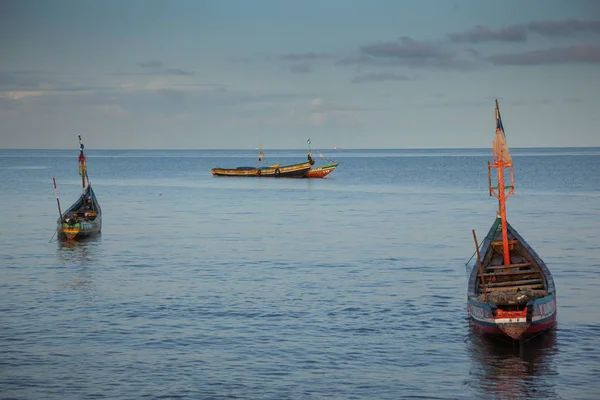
{"points": [[515, 300], [84, 217], [511, 292]]}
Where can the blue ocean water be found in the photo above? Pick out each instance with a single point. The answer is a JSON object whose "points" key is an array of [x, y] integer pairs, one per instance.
{"points": [[349, 287]]}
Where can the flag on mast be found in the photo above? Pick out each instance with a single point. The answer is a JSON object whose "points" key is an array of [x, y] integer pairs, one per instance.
{"points": [[499, 147]]}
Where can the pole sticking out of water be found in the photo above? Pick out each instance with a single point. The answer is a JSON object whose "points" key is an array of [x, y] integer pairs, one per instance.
{"points": [[57, 201]]}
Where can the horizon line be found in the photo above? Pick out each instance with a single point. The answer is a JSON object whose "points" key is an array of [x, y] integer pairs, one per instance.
{"points": [[298, 148]]}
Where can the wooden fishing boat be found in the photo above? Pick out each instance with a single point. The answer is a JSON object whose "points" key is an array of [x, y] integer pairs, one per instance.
{"points": [[271, 171], [84, 218], [322, 171], [511, 292], [286, 171]]}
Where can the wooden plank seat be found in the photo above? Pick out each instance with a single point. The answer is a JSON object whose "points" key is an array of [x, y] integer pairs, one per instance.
{"points": [[509, 266], [514, 283], [507, 289], [519, 265], [510, 273], [498, 244]]}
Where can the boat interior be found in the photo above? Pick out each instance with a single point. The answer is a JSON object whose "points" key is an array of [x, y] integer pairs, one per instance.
{"points": [[512, 285], [85, 208]]}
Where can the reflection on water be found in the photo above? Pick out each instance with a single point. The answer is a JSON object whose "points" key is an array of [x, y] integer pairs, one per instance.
{"points": [[78, 251], [77, 257], [506, 370]]}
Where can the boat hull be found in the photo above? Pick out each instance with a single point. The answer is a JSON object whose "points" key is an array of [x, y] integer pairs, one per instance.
{"points": [[518, 300], [519, 325], [80, 230], [286, 171], [81, 221], [321, 172]]}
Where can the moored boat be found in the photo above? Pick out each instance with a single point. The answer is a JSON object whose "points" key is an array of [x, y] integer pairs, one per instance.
{"points": [[285, 171], [511, 291], [272, 171], [84, 218]]}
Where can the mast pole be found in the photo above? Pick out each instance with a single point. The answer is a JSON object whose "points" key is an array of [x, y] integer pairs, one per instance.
{"points": [[502, 198], [82, 167], [500, 163]]}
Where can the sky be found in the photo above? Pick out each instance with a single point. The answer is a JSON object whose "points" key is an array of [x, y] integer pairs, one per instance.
{"points": [[230, 74]]}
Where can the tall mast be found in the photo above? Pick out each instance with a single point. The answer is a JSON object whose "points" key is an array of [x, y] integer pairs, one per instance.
{"points": [[502, 160]]}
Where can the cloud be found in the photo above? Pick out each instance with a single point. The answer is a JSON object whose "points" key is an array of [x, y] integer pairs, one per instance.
{"points": [[322, 112], [176, 71], [18, 95], [151, 64], [482, 34], [318, 104], [155, 67], [565, 27], [305, 56], [161, 72], [556, 55], [405, 49], [572, 100], [112, 110], [379, 77], [301, 69], [519, 33]]}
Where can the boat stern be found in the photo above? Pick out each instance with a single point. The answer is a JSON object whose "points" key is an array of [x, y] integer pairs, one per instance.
{"points": [[69, 231], [517, 324], [513, 324]]}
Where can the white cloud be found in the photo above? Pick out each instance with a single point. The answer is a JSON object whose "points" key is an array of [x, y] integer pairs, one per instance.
{"points": [[18, 95], [112, 110]]}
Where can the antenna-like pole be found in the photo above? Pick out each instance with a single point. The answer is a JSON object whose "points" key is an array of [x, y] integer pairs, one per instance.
{"points": [[82, 165], [57, 201]]}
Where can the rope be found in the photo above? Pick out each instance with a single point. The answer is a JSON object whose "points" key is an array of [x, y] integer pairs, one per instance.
{"points": [[52, 236], [475, 252], [328, 160]]}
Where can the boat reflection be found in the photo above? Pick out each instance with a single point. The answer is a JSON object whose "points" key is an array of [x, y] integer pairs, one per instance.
{"points": [[507, 370], [81, 251]]}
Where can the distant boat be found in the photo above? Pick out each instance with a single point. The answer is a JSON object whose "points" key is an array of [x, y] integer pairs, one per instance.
{"points": [[337, 148], [84, 217], [511, 292], [272, 171]]}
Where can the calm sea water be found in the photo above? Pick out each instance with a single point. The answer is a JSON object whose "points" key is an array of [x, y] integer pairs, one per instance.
{"points": [[350, 287]]}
